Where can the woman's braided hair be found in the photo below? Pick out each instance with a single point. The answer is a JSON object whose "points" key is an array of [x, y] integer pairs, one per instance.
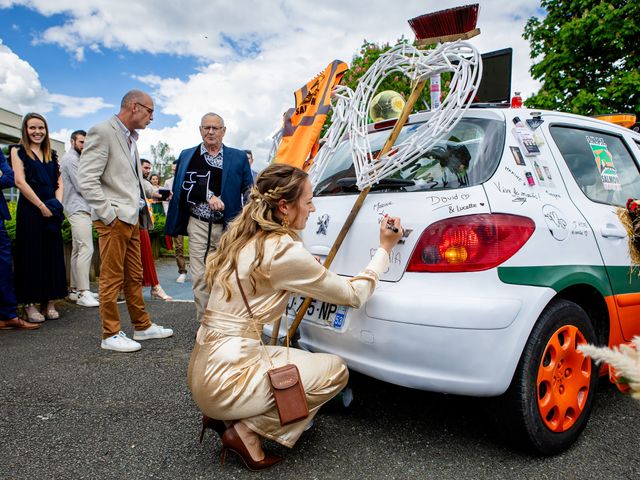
{"points": [[258, 220]]}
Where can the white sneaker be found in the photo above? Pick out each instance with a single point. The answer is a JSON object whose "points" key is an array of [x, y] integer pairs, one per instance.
{"points": [[74, 294], [181, 278], [85, 299], [154, 331], [120, 343]]}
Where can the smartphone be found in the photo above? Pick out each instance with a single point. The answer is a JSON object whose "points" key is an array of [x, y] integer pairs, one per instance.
{"points": [[165, 192]]}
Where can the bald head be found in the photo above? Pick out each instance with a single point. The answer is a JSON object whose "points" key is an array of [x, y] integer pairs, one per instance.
{"points": [[136, 110], [133, 96]]}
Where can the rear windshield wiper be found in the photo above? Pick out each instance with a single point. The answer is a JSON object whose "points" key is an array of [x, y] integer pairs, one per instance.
{"points": [[349, 183]]}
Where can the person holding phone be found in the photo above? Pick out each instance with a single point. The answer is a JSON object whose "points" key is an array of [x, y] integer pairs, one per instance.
{"points": [[158, 197]]}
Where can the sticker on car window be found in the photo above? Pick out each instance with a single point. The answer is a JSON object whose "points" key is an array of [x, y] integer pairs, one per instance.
{"points": [[517, 156], [604, 162]]}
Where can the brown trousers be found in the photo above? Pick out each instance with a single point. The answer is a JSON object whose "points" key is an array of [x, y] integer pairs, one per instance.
{"points": [[121, 268]]}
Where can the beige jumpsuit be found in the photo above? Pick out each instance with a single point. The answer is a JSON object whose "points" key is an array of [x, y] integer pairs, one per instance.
{"points": [[227, 372]]}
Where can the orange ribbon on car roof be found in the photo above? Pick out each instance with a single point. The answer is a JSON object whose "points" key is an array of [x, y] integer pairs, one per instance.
{"points": [[302, 125]]}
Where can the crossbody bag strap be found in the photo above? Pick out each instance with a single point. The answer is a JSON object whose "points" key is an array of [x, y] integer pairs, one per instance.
{"points": [[253, 321]]}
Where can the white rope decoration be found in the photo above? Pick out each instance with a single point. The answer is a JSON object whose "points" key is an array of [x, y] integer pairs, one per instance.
{"points": [[351, 108], [275, 143]]}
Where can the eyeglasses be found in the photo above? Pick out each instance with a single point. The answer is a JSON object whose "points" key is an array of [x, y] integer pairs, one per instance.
{"points": [[149, 110], [210, 128]]}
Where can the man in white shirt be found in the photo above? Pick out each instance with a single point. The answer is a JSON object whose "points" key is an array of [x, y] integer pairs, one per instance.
{"points": [[79, 214]]}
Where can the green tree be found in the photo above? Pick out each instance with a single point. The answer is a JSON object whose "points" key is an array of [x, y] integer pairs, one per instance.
{"points": [[162, 159], [587, 52], [369, 52]]}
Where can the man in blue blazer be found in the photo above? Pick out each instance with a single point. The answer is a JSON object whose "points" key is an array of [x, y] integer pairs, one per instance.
{"points": [[8, 304], [207, 194]]}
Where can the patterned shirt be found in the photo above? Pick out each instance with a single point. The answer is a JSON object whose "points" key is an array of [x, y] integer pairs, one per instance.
{"points": [[200, 184]]}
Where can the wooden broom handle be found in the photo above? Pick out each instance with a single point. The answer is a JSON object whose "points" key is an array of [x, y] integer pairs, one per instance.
{"points": [[397, 128]]}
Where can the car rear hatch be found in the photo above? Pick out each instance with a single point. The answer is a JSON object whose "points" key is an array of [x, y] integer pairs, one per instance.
{"points": [[444, 182]]}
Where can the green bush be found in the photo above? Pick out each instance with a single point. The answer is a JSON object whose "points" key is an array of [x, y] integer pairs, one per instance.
{"points": [[159, 221], [10, 225]]}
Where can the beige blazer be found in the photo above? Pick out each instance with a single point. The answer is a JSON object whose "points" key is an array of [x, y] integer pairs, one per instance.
{"points": [[107, 177]]}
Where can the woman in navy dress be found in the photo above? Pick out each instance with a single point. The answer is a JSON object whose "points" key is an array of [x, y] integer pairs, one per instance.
{"points": [[39, 264]]}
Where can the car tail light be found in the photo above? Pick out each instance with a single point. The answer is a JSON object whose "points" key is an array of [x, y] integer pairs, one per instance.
{"points": [[470, 243]]}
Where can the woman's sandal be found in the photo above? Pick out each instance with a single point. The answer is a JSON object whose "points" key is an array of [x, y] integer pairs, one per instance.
{"points": [[32, 313], [158, 292], [51, 314]]}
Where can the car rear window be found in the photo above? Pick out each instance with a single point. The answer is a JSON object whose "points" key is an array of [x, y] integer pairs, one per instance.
{"points": [[466, 156]]}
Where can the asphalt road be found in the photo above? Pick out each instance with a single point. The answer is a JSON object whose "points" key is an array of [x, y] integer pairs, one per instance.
{"points": [[69, 410]]}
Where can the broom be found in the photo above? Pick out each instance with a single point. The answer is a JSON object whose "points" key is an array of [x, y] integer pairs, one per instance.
{"points": [[448, 25], [442, 26]]}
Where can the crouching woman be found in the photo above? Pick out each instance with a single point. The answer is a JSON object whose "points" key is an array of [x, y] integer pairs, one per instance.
{"points": [[262, 255]]}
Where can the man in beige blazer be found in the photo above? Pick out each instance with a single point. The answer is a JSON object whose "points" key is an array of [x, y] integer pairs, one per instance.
{"points": [[109, 176]]}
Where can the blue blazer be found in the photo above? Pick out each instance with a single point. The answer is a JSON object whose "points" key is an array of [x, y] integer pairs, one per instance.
{"points": [[236, 178], [6, 181]]}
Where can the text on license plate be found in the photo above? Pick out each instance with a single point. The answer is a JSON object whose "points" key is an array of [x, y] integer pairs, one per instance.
{"points": [[319, 312]]}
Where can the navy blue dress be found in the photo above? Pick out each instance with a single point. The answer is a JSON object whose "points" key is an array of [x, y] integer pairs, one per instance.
{"points": [[39, 263]]}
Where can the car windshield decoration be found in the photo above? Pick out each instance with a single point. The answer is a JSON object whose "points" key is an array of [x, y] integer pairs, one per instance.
{"points": [[466, 157]]}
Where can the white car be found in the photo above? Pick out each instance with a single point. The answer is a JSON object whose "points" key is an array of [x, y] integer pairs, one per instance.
{"points": [[513, 255]]}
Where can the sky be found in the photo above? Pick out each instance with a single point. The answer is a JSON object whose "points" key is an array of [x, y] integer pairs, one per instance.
{"points": [[73, 61]]}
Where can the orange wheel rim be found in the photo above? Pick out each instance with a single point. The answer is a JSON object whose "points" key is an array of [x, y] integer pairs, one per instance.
{"points": [[564, 375]]}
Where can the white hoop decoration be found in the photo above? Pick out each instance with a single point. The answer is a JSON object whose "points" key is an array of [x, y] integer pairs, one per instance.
{"points": [[351, 109]]}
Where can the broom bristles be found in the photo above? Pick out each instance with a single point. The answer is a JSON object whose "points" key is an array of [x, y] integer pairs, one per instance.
{"points": [[451, 21]]}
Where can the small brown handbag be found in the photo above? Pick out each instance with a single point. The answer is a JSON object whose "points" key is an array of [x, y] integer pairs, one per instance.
{"points": [[291, 401]]}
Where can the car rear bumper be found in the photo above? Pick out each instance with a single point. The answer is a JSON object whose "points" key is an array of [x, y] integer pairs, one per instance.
{"points": [[451, 333]]}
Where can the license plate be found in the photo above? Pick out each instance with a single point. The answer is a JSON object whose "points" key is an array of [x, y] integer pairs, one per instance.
{"points": [[321, 313]]}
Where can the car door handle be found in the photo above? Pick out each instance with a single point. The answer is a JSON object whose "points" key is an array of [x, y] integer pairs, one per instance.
{"points": [[612, 232]]}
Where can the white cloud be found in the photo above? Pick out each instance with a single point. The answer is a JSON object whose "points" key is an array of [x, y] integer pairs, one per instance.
{"points": [[21, 91], [20, 88], [254, 54], [77, 107]]}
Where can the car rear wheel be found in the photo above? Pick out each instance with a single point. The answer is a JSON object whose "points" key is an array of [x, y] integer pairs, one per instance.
{"points": [[551, 395]]}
